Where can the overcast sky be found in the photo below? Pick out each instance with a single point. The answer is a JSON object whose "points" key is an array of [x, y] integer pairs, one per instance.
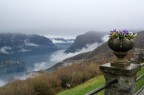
{"points": [[70, 17]]}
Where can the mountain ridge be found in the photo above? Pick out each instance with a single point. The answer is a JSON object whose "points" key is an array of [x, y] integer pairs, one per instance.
{"points": [[16, 42], [83, 40]]}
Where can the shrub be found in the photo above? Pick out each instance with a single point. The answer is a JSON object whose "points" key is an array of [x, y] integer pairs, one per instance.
{"points": [[49, 83]]}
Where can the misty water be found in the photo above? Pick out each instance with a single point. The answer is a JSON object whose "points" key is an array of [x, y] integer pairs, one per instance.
{"points": [[30, 63]]}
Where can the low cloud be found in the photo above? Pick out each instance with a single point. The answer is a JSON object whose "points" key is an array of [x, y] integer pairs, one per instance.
{"points": [[65, 37], [60, 55], [60, 41], [28, 43], [2, 83], [41, 66], [105, 38], [23, 50], [25, 76], [5, 50]]}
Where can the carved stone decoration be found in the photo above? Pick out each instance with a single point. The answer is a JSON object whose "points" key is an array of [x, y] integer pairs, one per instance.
{"points": [[120, 48]]}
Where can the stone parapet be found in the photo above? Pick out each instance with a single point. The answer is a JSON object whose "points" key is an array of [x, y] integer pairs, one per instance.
{"points": [[126, 79]]}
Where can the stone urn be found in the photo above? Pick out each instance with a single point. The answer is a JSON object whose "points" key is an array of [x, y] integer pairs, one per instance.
{"points": [[120, 48]]}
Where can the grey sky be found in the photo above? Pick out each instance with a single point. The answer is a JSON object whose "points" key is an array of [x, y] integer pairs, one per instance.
{"points": [[70, 17]]}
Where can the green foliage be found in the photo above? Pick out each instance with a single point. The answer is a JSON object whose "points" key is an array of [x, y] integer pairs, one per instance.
{"points": [[85, 87], [140, 83], [51, 83], [94, 84]]}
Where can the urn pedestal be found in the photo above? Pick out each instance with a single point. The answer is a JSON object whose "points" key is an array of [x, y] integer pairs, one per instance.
{"points": [[126, 78], [121, 69], [120, 48]]}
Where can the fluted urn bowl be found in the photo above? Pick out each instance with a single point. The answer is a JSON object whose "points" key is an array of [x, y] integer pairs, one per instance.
{"points": [[120, 48]]}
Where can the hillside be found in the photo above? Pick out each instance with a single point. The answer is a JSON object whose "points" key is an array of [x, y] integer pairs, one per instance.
{"points": [[13, 42], [82, 41], [102, 52]]}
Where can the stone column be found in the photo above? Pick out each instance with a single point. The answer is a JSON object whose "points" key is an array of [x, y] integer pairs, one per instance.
{"points": [[126, 79]]}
